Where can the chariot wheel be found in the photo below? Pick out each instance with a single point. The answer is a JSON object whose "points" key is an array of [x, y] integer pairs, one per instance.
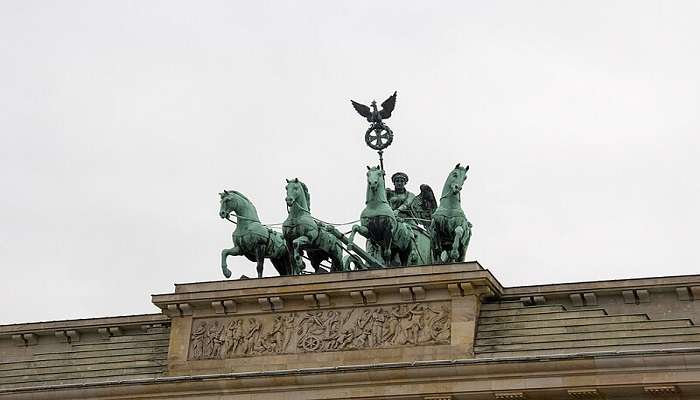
{"points": [[311, 343], [379, 137]]}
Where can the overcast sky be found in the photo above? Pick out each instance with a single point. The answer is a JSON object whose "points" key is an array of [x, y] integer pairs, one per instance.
{"points": [[120, 122]]}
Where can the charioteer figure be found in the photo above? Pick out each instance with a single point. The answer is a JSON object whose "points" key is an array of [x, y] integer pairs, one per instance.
{"points": [[400, 198]]}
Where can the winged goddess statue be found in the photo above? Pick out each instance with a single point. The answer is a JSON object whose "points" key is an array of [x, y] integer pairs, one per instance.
{"points": [[379, 136]]}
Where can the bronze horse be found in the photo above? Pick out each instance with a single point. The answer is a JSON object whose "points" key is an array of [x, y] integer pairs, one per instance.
{"points": [[379, 224], [303, 232], [251, 238], [450, 230]]}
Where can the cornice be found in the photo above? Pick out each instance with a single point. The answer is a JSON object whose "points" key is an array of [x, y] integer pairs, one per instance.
{"points": [[467, 377]]}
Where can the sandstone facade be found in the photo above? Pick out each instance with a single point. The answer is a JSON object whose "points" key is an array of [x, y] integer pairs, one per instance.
{"points": [[430, 332]]}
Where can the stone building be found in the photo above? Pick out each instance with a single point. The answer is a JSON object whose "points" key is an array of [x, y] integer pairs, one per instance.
{"points": [[415, 333]]}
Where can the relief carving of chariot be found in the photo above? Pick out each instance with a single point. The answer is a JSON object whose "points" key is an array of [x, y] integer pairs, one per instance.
{"points": [[400, 228]]}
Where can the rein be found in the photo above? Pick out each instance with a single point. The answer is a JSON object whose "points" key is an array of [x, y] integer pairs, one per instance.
{"points": [[459, 196], [250, 219], [316, 219]]}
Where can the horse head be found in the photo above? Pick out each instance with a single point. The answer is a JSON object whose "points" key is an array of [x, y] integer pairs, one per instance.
{"points": [[375, 178], [227, 205], [297, 194], [233, 201], [455, 180]]}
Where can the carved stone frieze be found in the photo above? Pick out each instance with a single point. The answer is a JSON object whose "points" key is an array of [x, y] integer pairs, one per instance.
{"points": [[319, 331]]}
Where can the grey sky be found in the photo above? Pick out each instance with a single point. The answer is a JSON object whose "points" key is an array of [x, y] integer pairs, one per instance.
{"points": [[121, 121]]}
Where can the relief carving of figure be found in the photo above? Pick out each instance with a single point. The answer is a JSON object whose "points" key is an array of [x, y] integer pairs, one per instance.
{"points": [[344, 339], [363, 330], [414, 325], [198, 338], [234, 335], [252, 336], [401, 314], [391, 327], [215, 340], [440, 325], [378, 319], [208, 342], [288, 329], [277, 339]]}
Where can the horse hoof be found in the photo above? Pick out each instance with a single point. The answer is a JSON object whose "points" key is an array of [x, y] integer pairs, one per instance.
{"points": [[226, 271], [443, 256]]}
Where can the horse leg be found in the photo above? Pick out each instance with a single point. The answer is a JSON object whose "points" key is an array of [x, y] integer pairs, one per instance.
{"points": [[434, 244], [337, 259], [260, 257], [281, 260], [405, 254], [362, 230], [298, 247], [315, 258], [280, 265], [391, 242], [403, 243], [465, 242], [233, 251], [387, 253], [454, 254]]}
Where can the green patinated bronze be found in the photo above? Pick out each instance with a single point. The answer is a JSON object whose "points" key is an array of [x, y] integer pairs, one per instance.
{"points": [[400, 198], [421, 254], [400, 227], [251, 238], [378, 136], [450, 230], [302, 232], [423, 206], [380, 226]]}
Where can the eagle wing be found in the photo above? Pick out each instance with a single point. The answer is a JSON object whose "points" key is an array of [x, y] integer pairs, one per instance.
{"points": [[362, 109], [388, 106]]}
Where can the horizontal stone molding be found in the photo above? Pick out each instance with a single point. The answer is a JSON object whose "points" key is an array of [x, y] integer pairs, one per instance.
{"points": [[224, 306], [669, 283], [617, 370], [25, 339], [68, 336], [362, 287], [81, 325], [178, 310], [509, 395], [584, 394], [661, 390], [317, 300]]}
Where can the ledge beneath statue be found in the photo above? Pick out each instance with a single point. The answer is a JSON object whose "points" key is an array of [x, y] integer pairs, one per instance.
{"points": [[401, 314]]}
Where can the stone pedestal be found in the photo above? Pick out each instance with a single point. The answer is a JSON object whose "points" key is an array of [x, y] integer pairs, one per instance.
{"points": [[330, 320]]}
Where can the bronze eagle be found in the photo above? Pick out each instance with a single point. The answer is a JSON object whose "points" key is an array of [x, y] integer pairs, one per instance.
{"points": [[376, 116]]}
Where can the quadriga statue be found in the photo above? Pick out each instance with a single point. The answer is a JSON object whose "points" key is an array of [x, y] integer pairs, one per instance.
{"points": [[450, 230], [251, 238]]}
